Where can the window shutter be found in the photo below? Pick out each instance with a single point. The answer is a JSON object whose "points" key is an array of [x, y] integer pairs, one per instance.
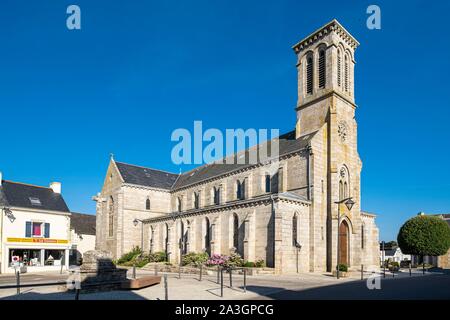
{"points": [[28, 229], [322, 71], [47, 230], [309, 76]]}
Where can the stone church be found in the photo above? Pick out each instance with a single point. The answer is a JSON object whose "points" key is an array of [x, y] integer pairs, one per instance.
{"points": [[288, 218]]}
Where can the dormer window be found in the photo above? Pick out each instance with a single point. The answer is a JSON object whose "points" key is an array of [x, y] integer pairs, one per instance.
{"points": [[35, 201]]}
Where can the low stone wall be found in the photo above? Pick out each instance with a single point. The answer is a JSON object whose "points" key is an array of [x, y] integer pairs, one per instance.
{"points": [[162, 267]]}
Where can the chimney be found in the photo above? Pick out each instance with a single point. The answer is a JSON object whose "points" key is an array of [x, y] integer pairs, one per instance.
{"points": [[56, 187], [1, 178]]}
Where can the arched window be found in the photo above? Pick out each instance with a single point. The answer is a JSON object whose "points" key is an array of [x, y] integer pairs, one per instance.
{"points": [[235, 231], [339, 68], [152, 236], [344, 183], [196, 200], [362, 236], [238, 189], [345, 190], [309, 75], [147, 204], [216, 195], [111, 217], [207, 238], [179, 204], [322, 69], [294, 230], [267, 182], [346, 73], [166, 242], [183, 239]]}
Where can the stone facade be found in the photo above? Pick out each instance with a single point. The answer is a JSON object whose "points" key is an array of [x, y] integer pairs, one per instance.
{"points": [[292, 225]]}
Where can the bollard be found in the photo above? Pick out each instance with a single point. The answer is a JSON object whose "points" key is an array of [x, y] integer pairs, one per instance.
{"points": [[201, 271], [384, 271], [393, 272], [423, 267], [156, 269], [218, 270], [77, 294], [179, 272], [18, 281], [245, 280], [61, 269], [410, 269], [166, 289], [221, 283], [362, 272], [134, 271], [231, 278]]}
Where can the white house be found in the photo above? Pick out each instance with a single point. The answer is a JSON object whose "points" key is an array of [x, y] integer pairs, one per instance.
{"points": [[82, 233], [34, 227], [393, 254]]}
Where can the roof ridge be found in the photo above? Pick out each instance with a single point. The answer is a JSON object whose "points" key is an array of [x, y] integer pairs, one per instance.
{"points": [[234, 154], [138, 166], [84, 214], [27, 184]]}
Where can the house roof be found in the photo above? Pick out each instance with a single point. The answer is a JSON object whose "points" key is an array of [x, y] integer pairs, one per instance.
{"points": [[21, 195], [445, 216], [145, 176], [83, 223], [170, 181]]}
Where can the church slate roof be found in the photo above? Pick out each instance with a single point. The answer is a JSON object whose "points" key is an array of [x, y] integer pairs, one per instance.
{"points": [[164, 180], [82, 223], [287, 144], [146, 177], [16, 194]]}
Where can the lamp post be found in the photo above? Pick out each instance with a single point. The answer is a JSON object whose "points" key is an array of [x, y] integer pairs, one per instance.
{"points": [[136, 222], [349, 203]]}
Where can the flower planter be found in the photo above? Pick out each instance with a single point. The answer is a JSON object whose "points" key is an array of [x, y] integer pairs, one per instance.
{"points": [[342, 274]]}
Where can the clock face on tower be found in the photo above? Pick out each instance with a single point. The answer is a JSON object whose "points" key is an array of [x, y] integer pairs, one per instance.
{"points": [[342, 131]]}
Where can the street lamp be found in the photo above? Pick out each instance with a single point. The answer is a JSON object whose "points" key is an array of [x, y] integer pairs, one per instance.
{"points": [[349, 204], [136, 222]]}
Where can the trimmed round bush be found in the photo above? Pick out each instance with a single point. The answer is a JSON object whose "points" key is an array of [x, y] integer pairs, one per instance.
{"points": [[425, 236]]}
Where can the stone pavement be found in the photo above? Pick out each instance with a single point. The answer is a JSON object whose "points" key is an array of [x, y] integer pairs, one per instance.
{"points": [[189, 287]]}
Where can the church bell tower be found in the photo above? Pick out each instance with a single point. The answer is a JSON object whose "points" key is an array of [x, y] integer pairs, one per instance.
{"points": [[326, 106]]}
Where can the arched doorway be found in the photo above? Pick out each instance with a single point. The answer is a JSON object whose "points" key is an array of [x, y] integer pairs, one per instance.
{"points": [[344, 243]]}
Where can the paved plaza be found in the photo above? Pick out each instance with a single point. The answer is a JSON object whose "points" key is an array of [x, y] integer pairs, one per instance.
{"points": [[298, 286]]}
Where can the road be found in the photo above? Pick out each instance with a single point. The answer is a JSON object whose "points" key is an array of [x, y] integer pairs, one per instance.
{"points": [[435, 286]]}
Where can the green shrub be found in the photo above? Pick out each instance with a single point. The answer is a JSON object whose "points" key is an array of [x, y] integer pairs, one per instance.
{"points": [[159, 256], [249, 264], [195, 259], [342, 267], [130, 256], [424, 236], [260, 263]]}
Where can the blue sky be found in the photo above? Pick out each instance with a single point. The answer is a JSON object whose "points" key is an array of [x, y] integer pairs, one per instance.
{"points": [[138, 70]]}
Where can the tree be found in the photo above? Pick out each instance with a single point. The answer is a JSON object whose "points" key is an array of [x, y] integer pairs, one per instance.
{"points": [[424, 236], [391, 244]]}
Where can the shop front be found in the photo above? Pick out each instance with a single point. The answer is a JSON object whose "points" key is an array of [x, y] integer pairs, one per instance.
{"points": [[35, 255]]}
